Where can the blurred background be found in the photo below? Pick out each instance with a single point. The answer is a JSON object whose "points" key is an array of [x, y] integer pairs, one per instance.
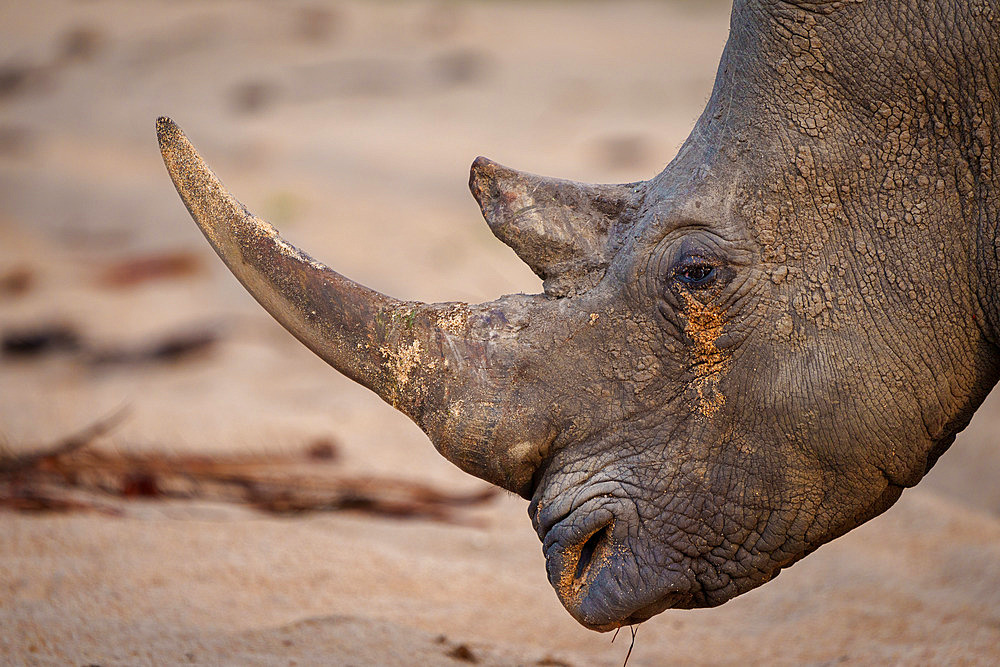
{"points": [[351, 126]]}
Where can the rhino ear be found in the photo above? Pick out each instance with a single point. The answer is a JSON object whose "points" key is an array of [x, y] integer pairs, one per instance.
{"points": [[564, 231]]}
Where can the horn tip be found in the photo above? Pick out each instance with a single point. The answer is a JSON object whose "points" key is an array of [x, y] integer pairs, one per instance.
{"points": [[481, 163], [478, 170], [485, 168], [166, 131], [483, 177]]}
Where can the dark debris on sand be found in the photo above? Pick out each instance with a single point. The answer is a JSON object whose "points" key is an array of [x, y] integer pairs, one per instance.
{"points": [[73, 475]]}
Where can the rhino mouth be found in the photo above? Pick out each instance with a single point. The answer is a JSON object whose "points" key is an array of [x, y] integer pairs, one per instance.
{"points": [[592, 565]]}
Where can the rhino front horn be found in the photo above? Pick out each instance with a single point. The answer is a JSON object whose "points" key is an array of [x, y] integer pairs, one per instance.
{"points": [[440, 364]]}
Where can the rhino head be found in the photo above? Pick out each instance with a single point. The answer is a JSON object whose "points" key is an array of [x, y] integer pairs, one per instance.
{"points": [[732, 363]]}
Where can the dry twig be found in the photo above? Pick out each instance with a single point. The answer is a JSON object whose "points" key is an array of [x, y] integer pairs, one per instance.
{"points": [[289, 484]]}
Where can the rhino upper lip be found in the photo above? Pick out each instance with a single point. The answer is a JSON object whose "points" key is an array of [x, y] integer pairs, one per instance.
{"points": [[546, 521]]}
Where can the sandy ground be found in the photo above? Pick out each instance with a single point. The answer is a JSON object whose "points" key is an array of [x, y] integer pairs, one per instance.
{"points": [[351, 126]]}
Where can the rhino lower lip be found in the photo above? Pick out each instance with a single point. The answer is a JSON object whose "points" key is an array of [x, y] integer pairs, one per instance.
{"points": [[669, 601]]}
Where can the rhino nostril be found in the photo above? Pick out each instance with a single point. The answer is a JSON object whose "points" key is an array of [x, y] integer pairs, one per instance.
{"points": [[589, 549]]}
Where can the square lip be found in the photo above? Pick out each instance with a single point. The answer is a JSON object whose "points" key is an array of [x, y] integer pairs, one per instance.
{"points": [[594, 519], [546, 519]]}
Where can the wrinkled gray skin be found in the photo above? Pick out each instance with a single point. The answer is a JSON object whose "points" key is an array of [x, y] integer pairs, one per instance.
{"points": [[734, 362]]}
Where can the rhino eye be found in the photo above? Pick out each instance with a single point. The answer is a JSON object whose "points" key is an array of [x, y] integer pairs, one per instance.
{"points": [[695, 273]]}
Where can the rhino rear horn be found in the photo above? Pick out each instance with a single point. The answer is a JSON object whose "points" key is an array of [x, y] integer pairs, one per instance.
{"points": [[561, 229]]}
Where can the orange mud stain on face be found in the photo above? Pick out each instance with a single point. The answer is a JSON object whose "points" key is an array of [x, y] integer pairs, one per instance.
{"points": [[570, 588], [704, 327]]}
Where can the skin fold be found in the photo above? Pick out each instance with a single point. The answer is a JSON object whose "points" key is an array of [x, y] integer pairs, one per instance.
{"points": [[733, 362]]}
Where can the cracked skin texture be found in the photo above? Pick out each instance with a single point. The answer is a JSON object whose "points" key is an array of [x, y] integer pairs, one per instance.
{"points": [[842, 184]]}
